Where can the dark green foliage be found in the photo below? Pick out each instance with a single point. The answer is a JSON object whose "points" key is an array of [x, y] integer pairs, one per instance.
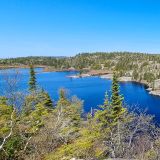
{"points": [[144, 64], [3, 100], [135, 75], [63, 101], [116, 99], [13, 146], [123, 62], [32, 81], [149, 77], [47, 100], [104, 114]]}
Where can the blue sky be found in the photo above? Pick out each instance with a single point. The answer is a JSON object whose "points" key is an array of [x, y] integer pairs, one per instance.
{"points": [[68, 27]]}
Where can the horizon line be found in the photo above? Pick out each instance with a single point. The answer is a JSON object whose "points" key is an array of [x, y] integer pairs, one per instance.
{"points": [[67, 56]]}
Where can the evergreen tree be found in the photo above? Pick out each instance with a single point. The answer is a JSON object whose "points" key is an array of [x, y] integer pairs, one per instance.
{"points": [[3, 100], [63, 101], [103, 115], [106, 102], [47, 101], [116, 100], [5, 117], [32, 81], [135, 75]]}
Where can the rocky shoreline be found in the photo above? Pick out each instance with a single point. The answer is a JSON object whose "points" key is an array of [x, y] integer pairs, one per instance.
{"points": [[151, 91], [155, 92], [101, 73]]}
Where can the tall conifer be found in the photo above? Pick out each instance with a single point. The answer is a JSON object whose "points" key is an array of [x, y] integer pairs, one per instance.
{"points": [[48, 102], [63, 101], [32, 81], [116, 100]]}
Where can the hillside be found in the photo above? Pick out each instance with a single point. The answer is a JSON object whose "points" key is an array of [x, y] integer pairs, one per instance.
{"points": [[144, 68]]}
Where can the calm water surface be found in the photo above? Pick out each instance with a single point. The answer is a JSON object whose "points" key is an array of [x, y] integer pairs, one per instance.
{"points": [[90, 89]]}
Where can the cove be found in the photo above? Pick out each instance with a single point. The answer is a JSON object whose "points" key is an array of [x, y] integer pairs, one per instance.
{"points": [[90, 89]]}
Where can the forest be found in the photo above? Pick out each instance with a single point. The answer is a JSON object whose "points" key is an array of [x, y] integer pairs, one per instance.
{"points": [[35, 127], [140, 66]]}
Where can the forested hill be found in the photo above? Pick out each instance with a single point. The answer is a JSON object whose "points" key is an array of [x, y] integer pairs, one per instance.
{"points": [[91, 60], [138, 65], [37, 60]]}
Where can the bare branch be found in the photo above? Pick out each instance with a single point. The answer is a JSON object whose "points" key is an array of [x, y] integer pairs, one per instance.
{"points": [[10, 133]]}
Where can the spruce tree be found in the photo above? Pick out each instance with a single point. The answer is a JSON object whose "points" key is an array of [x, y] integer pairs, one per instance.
{"points": [[32, 81], [103, 115], [47, 101], [106, 102], [63, 101], [116, 100]]}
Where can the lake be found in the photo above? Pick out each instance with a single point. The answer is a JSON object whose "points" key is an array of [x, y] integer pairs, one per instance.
{"points": [[90, 89]]}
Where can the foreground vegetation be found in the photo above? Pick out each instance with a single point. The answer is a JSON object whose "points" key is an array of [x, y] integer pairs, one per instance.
{"points": [[33, 127]]}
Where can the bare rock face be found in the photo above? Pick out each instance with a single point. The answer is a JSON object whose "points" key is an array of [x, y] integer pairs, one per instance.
{"points": [[155, 92], [125, 79], [107, 76], [155, 88], [156, 84]]}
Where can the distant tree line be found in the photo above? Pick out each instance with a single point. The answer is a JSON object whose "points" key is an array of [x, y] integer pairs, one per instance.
{"points": [[125, 63]]}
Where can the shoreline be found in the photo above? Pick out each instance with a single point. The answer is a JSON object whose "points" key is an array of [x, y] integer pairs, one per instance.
{"points": [[91, 73], [22, 66], [122, 80]]}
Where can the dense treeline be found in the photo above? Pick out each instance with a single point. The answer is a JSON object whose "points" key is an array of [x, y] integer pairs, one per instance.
{"points": [[42, 129], [84, 60], [137, 65]]}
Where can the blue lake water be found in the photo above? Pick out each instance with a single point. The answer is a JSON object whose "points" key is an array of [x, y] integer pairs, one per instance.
{"points": [[90, 89]]}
